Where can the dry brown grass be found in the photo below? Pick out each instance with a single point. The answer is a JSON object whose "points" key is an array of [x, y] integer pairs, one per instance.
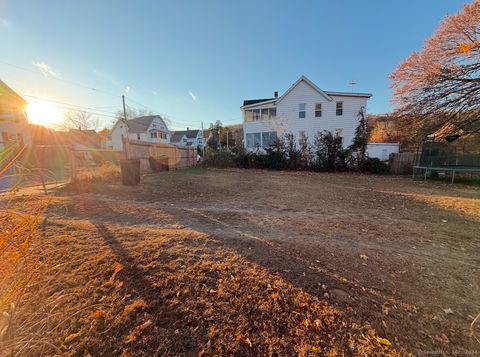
{"points": [[107, 173], [17, 265], [17, 228], [179, 292], [191, 264]]}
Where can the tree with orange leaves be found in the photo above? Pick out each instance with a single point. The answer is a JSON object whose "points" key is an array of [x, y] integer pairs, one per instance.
{"points": [[440, 85]]}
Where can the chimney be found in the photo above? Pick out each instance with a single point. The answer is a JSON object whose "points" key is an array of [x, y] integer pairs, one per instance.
{"points": [[275, 94]]}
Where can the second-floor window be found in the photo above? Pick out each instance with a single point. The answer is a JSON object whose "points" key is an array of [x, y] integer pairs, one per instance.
{"points": [[301, 110], [318, 110], [339, 109], [260, 114], [158, 134]]}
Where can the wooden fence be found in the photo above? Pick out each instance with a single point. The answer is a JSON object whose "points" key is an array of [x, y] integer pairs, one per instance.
{"points": [[166, 156], [402, 163]]}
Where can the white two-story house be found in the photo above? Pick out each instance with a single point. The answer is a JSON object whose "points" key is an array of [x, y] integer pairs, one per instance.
{"points": [[151, 129], [303, 110]]}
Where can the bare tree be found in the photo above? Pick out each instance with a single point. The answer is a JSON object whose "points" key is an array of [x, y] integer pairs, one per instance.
{"points": [[81, 120], [439, 86], [131, 113]]}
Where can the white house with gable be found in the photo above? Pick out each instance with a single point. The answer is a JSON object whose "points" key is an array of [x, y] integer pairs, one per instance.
{"points": [[303, 110], [191, 138], [150, 129]]}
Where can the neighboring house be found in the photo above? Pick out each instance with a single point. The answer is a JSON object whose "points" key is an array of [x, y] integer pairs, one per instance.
{"points": [[150, 129], [303, 110], [13, 118], [192, 138]]}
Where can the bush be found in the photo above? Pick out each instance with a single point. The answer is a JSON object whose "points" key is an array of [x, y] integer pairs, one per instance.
{"points": [[219, 159], [377, 166], [329, 152]]}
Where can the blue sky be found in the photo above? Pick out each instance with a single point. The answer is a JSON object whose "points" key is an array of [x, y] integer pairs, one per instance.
{"points": [[196, 61]]}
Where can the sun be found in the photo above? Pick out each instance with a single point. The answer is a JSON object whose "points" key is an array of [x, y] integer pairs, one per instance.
{"points": [[42, 113]]}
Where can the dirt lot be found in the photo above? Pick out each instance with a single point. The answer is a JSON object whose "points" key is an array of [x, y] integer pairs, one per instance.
{"points": [[215, 262]]}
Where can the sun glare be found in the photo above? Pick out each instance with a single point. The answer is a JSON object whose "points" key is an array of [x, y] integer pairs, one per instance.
{"points": [[43, 113]]}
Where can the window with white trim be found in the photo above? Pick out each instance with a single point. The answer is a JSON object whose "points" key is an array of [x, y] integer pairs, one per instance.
{"points": [[339, 108], [301, 110], [264, 114], [268, 138], [260, 114], [318, 110], [254, 140]]}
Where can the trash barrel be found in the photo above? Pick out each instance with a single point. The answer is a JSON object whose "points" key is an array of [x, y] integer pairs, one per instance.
{"points": [[130, 169]]}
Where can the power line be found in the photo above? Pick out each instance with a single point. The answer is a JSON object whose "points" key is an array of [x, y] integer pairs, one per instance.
{"points": [[59, 79], [81, 85], [68, 104], [74, 107]]}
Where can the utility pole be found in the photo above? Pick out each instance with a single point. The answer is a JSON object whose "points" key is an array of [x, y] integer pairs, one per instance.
{"points": [[203, 143], [127, 151], [219, 138]]}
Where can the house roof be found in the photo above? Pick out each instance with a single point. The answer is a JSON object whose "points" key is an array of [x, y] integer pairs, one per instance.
{"points": [[178, 135], [255, 101], [310, 83], [9, 94], [141, 124], [326, 94], [350, 94]]}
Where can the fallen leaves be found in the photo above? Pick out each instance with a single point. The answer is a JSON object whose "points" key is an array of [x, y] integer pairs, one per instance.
{"points": [[137, 331], [382, 341], [448, 311], [138, 304], [72, 337], [117, 268], [98, 314]]}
